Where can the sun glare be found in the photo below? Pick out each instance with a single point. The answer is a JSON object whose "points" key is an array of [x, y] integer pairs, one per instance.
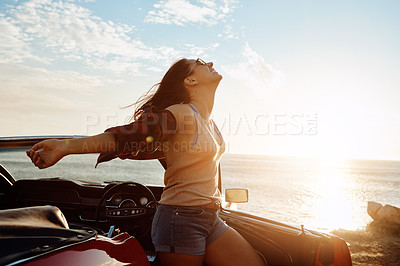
{"points": [[332, 206]]}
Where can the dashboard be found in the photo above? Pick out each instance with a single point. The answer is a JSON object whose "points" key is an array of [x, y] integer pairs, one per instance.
{"points": [[129, 206]]}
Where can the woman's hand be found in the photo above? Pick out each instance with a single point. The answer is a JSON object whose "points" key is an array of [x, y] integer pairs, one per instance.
{"points": [[46, 153]]}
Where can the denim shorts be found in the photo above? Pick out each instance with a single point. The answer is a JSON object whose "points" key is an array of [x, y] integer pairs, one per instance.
{"points": [[185, 230]]}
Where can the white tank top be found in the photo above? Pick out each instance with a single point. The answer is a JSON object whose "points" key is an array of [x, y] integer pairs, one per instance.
{"points": [[191, 178]]}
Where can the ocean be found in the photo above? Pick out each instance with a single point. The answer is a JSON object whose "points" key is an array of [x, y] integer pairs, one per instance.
{"points": [[319, 194]]}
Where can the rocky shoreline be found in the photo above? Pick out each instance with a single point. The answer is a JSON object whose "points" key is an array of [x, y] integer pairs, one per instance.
{"points": [[378, 244]]}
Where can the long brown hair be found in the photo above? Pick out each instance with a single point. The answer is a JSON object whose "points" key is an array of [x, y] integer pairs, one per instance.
{"points": [[171, 90]]}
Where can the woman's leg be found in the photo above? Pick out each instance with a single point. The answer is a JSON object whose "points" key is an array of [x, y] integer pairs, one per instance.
{"points": [[232, 249], [179, 234], [175, 259]]}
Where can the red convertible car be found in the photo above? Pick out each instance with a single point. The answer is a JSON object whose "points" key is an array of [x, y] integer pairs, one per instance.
{"points": [[59, 221]]}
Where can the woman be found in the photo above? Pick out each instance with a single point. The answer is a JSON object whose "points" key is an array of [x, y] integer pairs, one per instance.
{"points": [[174, 123]]}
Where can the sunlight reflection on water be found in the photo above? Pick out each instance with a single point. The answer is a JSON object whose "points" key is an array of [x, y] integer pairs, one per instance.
{"points": [[333, 204]]}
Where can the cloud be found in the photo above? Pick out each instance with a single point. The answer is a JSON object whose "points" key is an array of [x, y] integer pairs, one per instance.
{"points": [[14, 45], [196, 51], [255, 73], [72, 32], [181, 12], [28, 89], [40, 101], [228, 33], [47, 32]]}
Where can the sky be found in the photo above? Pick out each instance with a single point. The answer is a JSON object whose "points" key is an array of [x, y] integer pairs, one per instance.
{"points": [[300, 78]]}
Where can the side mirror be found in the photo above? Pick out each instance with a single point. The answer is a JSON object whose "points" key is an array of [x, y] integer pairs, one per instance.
{"points": [[236, 195]]}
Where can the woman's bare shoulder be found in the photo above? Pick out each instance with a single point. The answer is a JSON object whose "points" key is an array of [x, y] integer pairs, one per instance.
{"points": [[178, 107], [184, 116], [181, 111]]}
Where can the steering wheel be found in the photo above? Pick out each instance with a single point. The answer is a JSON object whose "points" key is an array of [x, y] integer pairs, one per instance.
{"points": [[130, 212]]}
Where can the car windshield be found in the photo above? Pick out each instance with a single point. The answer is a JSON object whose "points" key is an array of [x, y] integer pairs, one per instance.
{"points": [[81, 167]]}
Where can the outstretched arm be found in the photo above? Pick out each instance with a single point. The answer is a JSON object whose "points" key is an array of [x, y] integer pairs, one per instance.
{"points": [[48, 152], [143, 135]]}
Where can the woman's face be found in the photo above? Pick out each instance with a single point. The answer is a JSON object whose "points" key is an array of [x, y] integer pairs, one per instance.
{"points": [[204, 72]]}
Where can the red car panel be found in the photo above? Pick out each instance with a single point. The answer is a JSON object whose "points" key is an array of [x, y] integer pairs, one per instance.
{"points": [[122, 249]]}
